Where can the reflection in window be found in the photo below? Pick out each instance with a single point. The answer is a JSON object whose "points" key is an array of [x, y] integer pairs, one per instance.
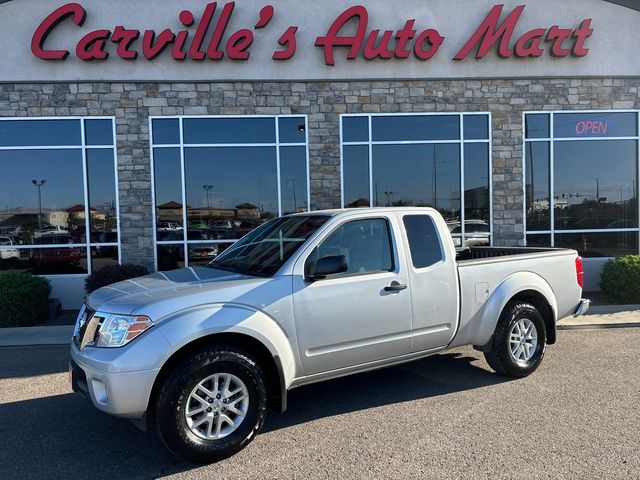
{"points": [[418, 175], [606, 244], [293, 180], [537, 192], [418, 160], [396, 128], [230, 176], [477, 197], [40, 133], [355, 174], [46, 227], [230, 191], [595, 125], [592, 192], [201, 254], [365, 244]]}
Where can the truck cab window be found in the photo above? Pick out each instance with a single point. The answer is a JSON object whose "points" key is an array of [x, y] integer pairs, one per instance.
{"points": [[423, 240], [365, 243]]}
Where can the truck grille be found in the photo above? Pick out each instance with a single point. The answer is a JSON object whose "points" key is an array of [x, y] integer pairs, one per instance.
{"points": [[86, 328]]}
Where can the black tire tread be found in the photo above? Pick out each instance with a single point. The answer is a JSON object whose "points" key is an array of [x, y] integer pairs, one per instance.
{"points": [[174, 382], [497, 357]]}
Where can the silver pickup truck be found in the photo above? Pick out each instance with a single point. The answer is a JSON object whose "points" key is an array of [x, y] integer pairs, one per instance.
{"points": [[200, 354]]}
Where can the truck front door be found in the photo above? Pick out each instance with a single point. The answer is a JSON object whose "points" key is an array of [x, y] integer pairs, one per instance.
{"points": [[361, 315]]}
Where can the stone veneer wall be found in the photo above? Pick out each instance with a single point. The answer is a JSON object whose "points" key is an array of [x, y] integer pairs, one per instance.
{"points": [[323, 102]]}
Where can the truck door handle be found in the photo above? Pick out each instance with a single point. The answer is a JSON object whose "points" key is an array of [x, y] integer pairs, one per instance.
{"points": [[395, 287]]}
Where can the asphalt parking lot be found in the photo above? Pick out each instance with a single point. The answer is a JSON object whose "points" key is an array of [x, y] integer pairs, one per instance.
{"points": [[447, 416]]}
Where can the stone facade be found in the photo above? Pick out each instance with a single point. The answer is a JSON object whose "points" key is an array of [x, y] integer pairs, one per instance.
{"points": [[323, 102]]}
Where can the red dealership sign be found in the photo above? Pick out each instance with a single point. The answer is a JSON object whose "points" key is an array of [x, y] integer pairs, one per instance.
{"points": [[188, 40]]}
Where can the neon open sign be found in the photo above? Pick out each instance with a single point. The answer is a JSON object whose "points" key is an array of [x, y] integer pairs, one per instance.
{"points": [[593, 127]]}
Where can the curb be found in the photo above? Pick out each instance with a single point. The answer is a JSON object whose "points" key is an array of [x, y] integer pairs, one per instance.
{"points": [[611, 309]]}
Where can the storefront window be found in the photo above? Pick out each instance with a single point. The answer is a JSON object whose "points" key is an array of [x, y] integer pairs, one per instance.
{"points": [[62, 185], [421, 160], [581, 181], [227, 177]]}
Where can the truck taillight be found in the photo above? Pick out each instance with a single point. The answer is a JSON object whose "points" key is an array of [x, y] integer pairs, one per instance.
{"points": [[580, 272]]}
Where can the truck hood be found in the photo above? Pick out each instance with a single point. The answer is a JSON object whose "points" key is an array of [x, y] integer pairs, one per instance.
{"points": [[160, 294]]}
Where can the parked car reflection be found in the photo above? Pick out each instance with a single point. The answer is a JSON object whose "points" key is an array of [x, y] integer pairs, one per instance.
{"points": [[477, 233]]}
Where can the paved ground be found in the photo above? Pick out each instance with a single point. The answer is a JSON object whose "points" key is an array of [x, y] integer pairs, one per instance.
{"points": [[447, 416]]}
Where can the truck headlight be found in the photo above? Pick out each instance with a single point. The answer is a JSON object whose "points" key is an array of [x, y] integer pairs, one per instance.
{"points": [[118, 330]]}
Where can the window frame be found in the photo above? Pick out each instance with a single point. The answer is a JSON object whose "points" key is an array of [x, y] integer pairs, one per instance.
{"points": [[370, 143], [182, 146], [392, 247], [551, 140], [87, 245]]}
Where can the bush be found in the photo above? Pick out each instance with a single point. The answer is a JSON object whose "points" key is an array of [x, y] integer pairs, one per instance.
{"points": [[113, 274], [24, 299], [620, 280]]}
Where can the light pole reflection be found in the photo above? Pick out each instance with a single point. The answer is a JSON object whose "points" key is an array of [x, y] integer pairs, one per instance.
{"points": [[39, 185]]}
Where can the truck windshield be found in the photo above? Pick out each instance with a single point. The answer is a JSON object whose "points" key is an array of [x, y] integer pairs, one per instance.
{"points": [[263, 251]]}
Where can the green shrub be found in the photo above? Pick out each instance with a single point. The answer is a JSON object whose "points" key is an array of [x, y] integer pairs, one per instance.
{"points": [[24, 299], [113, 274], [620, 281]]}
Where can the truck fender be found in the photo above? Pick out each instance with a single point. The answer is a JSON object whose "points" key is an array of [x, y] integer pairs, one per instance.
{"points": [[191, 325], [484, 326]]}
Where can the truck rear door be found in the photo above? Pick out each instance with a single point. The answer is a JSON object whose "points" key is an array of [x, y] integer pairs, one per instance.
{"points": [[433, 277]]}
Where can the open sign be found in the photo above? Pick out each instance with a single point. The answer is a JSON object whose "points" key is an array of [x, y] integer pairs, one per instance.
{"points": [[593, 127]]}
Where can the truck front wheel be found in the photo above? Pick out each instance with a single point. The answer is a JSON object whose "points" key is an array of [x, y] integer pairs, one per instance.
{"points": [[519, 341], [211, 405]]}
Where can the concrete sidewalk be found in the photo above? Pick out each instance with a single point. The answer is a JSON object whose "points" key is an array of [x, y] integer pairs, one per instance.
{"points": [[35, 336], [606, 316]]}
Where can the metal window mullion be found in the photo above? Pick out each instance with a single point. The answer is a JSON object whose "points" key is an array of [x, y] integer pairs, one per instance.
{"points": [[238, 145], [205, 242], [40, 147], [154, 221], [117, 192], [461, 164], [597, 230], [306, 139], [490, 157], [524, 176], [277, 126], [371, 193], [552, 179], [87, 209], [44, 247], [342, 144], [593, 139], [417, 142], [185, 228]]}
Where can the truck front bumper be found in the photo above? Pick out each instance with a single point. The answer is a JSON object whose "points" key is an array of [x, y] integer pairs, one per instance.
{"points": [[583, 307], [123, 394]]}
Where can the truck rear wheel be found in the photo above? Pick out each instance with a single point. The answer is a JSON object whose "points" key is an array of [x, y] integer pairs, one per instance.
{"points": [[519, 341], [211, 405]]}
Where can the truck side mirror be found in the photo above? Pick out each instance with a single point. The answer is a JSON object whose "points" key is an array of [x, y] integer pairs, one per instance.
{"points": [[326, 266]]}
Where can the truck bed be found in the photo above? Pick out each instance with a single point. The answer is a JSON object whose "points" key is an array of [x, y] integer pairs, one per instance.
{"points": [[477, 255], [482, 270]]}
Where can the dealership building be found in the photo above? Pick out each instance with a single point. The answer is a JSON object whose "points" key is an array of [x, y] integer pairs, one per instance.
{"points": [[158, 136]]}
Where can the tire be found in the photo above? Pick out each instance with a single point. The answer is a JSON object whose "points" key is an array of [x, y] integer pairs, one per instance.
{"points": [[181, 434], [517, 317]]}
